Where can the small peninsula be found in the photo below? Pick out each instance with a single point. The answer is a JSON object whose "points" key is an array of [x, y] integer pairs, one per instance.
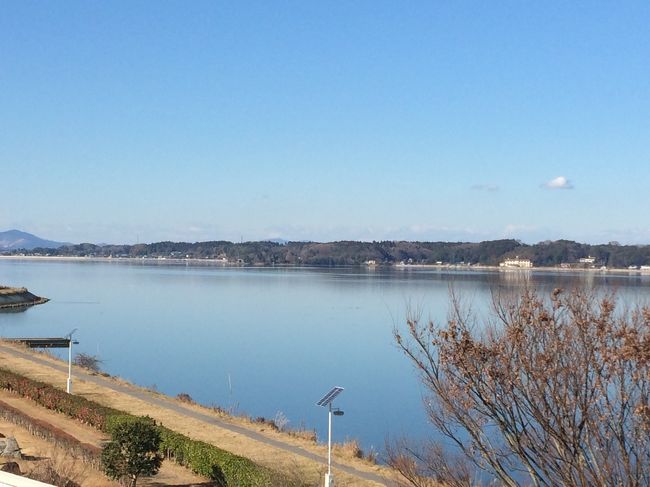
{"points": [[18, 297]]}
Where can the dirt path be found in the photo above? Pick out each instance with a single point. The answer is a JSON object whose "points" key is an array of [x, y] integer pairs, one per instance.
{"points": [[258, 443]]}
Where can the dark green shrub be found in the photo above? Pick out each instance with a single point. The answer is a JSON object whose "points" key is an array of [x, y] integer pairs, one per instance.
{"points": [[133, 450], [202, 458]]}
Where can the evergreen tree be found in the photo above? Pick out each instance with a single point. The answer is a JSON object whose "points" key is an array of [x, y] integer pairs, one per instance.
{"points": [[133, 450]]}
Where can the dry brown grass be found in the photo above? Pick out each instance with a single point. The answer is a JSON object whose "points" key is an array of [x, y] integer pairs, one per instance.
{"points": [[303, 434], [41, 458], [349, 448], [5, 290], [61, 469]]}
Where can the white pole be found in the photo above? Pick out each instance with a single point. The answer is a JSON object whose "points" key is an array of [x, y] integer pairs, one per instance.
{"points": [[69, 388], [327, 401], [329, 442], [329, 481]]}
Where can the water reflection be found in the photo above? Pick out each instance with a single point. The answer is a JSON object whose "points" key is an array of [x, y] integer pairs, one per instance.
{"points": [[267, 339]]}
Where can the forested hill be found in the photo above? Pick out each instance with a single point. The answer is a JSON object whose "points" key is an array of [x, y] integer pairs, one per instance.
{"points": [[491, 252]]}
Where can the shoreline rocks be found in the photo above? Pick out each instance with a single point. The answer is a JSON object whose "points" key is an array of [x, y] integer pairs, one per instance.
{"points": [[9, 448], [12, 297]]}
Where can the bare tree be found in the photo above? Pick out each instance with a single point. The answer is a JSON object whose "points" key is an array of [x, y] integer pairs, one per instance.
{"points": [[551, 392], [87, 361]]}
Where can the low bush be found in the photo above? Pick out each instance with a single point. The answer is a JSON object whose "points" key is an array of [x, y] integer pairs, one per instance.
{"points": [[185, 397], [267, 422]]}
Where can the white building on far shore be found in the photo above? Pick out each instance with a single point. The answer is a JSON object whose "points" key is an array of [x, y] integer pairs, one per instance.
{"points": [[517, 263]]}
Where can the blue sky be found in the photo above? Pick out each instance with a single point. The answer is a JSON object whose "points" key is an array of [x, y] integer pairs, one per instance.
{"points": [[146, 121]]}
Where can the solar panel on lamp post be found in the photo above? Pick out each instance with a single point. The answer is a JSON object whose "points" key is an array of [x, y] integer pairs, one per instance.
{"points": [[327, 401], [70, 342]]}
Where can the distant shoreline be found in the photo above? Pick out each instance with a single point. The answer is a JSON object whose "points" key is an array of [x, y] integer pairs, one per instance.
{"points": [[486, 254], [222, 263]]}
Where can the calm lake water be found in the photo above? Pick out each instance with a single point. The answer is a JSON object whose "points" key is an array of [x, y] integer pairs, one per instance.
{"points": [[263, 340]]}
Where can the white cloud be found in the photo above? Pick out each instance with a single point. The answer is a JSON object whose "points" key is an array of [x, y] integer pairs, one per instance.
{"points": [[559, 182]]}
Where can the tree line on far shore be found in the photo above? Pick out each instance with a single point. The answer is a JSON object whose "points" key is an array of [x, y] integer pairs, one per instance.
{"points": [[492, 252]]}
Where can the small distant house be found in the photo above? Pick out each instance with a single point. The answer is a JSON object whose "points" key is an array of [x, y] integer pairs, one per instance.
{"points": [[517, 263], [587, 260]]}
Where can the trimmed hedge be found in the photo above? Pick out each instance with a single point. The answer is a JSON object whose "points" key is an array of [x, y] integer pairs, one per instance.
{"points": [[225, 468], [50, 397], [212, 462]]}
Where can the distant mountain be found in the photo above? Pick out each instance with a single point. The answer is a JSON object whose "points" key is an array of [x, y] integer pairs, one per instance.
{"points": [[15, 239]]}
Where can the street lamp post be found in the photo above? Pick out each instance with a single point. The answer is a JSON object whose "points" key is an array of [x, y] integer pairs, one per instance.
{"points": [[70, 342], [327, 401]]}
